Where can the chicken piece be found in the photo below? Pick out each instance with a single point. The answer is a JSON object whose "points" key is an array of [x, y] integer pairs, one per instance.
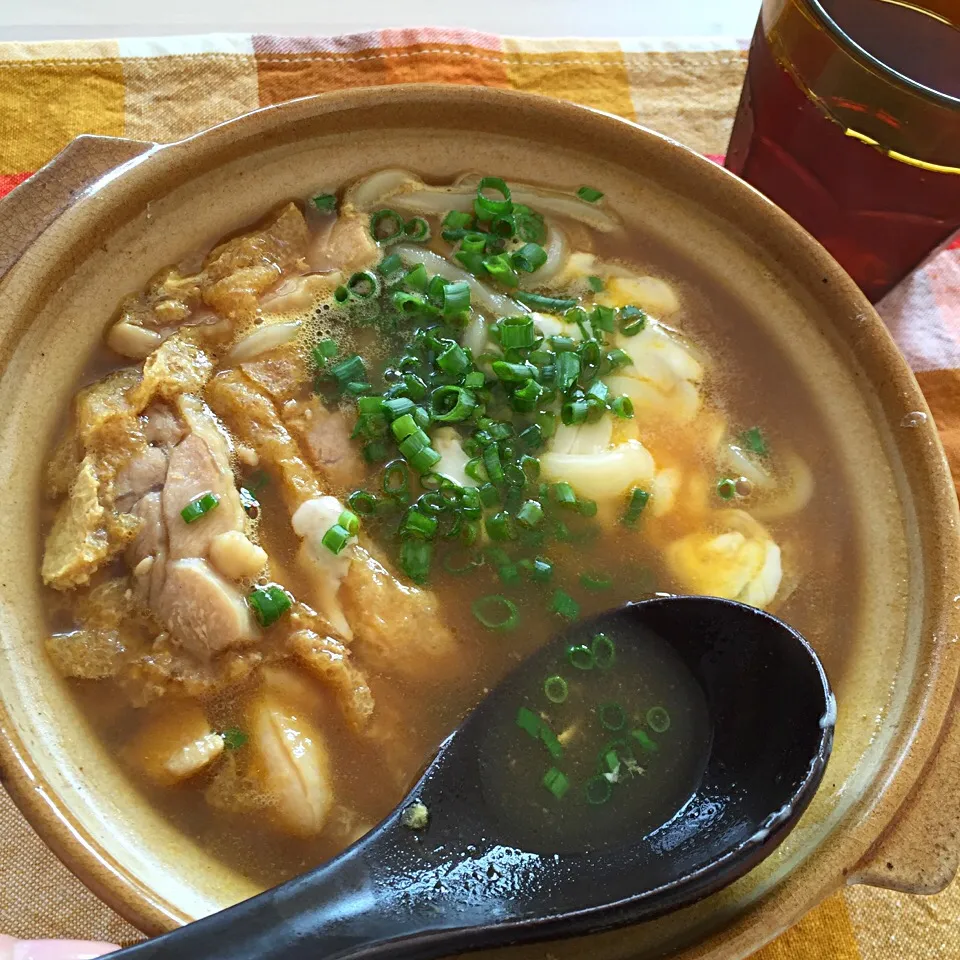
{"points": [[161, 426], [194, 471], [397, 627], [143, 473], [325, 437], [82, 537], [741, 562], [147, 554], [175, 744], [292, 764], [203, 609], [177, 366], [329, 660]]}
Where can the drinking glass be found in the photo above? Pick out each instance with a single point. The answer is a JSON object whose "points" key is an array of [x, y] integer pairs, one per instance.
{"points": [[849, 120]]}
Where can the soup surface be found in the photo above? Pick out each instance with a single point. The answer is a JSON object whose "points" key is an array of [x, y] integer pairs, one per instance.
{"points": [[326, 483]]}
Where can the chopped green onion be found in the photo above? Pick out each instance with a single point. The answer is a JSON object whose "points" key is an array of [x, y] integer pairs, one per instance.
{"points": [[726, 488], [325, 202], [604, 651], [335, 539], [632, 320], [646, 743], [473, 561], [398, 407], [492, 464], [341, 294], [612, 716], [487, 207], [603, 318], [269, 603], [415, 558], [234, 738], [350, 370], [589, 194], [456, 298], [417, 230], [411, 304], [502, 227], [501, 269], [516, 333], [529, 258], [474, 380], [574, 412], [550, 740], [364, 285], [623, 407], [452, 404], [596, 284], [453, 359], [598, 790], [500, 526], [568, 369], [529, 224], [390, 265], [529, 722], [564, 495], [596, 581], [417, 524], [658, 719], [489, 495], [375, 452], [581, 657], [526, 398], [513, 372], [587, 508], [636, 503], [456, 220], [396, 480], [496, 612], [350, 522], [530, 514], [541, 570], [386, 227], [325, 350], [416, 278], [362, 502], [555, 688], [618, 358], [556, 783], [539, 302], [199, 507], [563, 605], [471, 260], [754, 440]]}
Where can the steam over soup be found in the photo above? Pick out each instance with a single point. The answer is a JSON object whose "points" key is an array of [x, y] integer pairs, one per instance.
{"points": [[320, 493]]}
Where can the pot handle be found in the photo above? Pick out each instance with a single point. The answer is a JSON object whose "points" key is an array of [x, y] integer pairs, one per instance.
{"points": [[32, 206], [920, 851]]}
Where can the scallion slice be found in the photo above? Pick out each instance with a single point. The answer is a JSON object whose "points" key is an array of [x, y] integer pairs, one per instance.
{"points": [[598, 790], [632, 320], [563, 495], [417, 524], [645, 741], [325, 202], [567, 371], [386, 227], [595, 284], [635, 504], [199, 507], [415, 558], [456, 298], [590, 194], [726, 488], [487, 207], [555, 689], [417, 230], [530, 514], [622, 407], [658, 719], [450, 404], [396, 480], [336, 538], [539, 302], [364, 285], [618, 358], [416, 278], [500, 527], [269, 603], [556, 782], [516, 333], [604, 651], [529, 258], [496, 612], [581, 656], [350, 370], [754, 440], [596, 581], [501, 269], [362, 502], [612, 716], [453, 359], [563, 605]]}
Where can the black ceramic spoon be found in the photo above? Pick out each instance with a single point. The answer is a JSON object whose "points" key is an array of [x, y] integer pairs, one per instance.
{"points": [[462, 884]]}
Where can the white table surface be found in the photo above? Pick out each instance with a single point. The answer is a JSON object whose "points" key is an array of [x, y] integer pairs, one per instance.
{"points": [[69, 19]]}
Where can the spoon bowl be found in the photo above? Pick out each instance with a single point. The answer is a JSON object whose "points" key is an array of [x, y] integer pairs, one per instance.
{"points": [[453, 870]]}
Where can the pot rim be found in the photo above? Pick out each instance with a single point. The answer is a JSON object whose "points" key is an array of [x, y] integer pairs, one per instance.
{"points": [[848, 844]]}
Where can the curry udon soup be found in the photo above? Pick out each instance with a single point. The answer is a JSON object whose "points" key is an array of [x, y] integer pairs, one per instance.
{"points": [[324, 486]]}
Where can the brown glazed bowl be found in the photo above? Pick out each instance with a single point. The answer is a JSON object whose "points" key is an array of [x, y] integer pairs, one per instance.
{"points": [[105, 214]]}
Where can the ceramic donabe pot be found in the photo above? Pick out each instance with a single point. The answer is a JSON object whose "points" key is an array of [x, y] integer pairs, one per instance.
{"points": [[102, 217]]}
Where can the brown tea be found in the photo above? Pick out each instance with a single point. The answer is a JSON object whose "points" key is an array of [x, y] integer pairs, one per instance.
{"points": [[858, 141]]}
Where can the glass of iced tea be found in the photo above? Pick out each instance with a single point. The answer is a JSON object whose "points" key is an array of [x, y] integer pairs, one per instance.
{"points": [[850, 121]]}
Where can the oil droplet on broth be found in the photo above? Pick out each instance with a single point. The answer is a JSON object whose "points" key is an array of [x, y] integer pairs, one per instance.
{"points": [[580, 756]]}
